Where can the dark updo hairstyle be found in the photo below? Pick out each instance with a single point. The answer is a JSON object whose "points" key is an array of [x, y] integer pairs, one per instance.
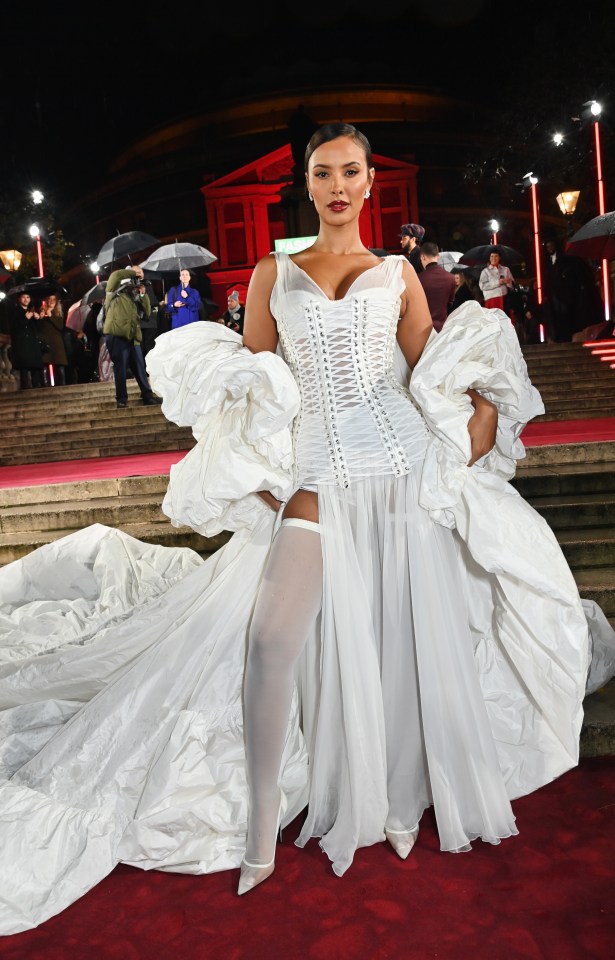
{"points": [[331, 131]]}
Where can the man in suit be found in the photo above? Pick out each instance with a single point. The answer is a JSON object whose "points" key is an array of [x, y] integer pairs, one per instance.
{"points": [[438, 284]]}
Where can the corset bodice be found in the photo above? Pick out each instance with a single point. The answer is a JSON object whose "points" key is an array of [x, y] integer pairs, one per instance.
{"points": [[356, 418]]}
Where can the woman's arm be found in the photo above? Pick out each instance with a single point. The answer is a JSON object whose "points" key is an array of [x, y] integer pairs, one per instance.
{"points": [[482, 426], [193, 300], [415, 325], [260, 331]]}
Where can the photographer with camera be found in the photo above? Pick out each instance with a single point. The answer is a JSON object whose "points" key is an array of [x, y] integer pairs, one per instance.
{"points": [[122, 330]]}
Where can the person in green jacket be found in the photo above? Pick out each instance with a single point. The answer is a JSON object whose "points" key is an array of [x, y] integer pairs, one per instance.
{"points": [[122, 332]]}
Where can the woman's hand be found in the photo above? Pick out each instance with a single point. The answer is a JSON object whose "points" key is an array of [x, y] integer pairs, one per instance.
{"points": [[482, 426], [270, 500]]}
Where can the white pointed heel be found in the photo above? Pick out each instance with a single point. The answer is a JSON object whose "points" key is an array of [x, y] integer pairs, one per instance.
{"points": [[251, 874], [402, 841]]}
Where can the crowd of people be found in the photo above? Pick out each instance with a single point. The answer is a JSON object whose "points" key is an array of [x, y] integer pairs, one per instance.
{"points": [[113, 339], [46, 351], [570, 305]]}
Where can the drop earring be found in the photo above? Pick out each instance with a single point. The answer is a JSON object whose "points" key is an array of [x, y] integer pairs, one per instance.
{"points": [[310, 197], [367, 194]]}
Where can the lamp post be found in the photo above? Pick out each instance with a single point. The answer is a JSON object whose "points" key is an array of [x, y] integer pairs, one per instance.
{"points": [[532, 181], [94, 267], [494, 226], [596, 109], [36, 235]]}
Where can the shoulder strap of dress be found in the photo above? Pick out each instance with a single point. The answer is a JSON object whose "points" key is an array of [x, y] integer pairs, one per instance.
{"points": [[280, 286], [393, 269], [282, 262]]}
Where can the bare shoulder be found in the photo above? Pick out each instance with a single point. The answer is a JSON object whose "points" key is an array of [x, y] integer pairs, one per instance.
{"points": [[266, 270]]}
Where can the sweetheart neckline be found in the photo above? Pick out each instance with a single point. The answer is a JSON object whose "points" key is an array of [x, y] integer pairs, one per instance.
{"points": [[374, 266]]}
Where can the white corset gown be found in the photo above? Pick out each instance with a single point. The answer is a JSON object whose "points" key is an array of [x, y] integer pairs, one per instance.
{"points": [[449, 662]]}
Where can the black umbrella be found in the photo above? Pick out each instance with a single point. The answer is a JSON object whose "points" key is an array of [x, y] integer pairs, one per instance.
{"points": [[39, 287], [480, 254], [95, 294], [124, 245], [596, 239]]}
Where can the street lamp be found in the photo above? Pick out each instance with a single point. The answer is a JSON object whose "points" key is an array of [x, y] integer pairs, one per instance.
{"points": [[567, 202], [94, 267], [596, 109], [37, 196], [532, 181], [11, 259], [494, 226], [35, 233]]}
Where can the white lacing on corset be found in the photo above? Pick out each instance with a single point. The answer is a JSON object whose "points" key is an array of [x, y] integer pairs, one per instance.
{"points": [[369, 377], [329, 394]]}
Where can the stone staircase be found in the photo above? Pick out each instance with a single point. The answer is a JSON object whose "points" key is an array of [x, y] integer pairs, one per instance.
{"points": [[574, 382], [571, 485], [82, 421]]}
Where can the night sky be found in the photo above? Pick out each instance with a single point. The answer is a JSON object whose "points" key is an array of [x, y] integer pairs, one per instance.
{"points": [[77, 86]]}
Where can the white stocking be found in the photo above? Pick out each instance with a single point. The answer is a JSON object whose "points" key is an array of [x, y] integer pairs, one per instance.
{"points": [[287, 605]]}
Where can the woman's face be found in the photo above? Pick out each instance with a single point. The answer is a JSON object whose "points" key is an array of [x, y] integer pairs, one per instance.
{"points": [[51, 301], [337, 178], [184, 276]]}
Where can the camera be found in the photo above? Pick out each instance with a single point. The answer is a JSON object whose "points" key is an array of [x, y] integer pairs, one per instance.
{"points": [[130, 286]]}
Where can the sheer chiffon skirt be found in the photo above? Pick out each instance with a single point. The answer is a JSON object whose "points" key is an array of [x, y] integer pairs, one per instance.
{"points": [[392, 709]]}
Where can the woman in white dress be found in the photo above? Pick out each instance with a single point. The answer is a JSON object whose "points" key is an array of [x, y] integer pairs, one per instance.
{"points": [[414, 635], [339, 176]]}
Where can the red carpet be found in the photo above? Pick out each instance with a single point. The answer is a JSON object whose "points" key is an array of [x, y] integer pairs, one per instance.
{"points": [[101, 468], [568, 431], [544, 895], [147, 464]]}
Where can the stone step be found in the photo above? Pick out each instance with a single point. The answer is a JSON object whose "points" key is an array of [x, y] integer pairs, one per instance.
{"points": [[84, 490], [580, 389], [117, 447], [14, 546], [597, 584], [598, 727], [564, 478], [583, 367], [556, 454], [587, 547], [97, 432], [69, 414], [578, 406], [110, 511], [577, 510]]}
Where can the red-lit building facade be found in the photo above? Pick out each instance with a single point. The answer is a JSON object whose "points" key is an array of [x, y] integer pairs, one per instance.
{"points": [[230, 179]]}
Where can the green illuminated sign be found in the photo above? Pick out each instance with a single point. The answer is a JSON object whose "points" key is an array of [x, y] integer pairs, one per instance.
{"points": [[293, 244]]}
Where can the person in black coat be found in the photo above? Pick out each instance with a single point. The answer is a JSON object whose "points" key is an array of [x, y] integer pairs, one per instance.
{"points": [[438, 284], [27, 350], [411, 237], [234, 314], [570, 292], [463, 291]]}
